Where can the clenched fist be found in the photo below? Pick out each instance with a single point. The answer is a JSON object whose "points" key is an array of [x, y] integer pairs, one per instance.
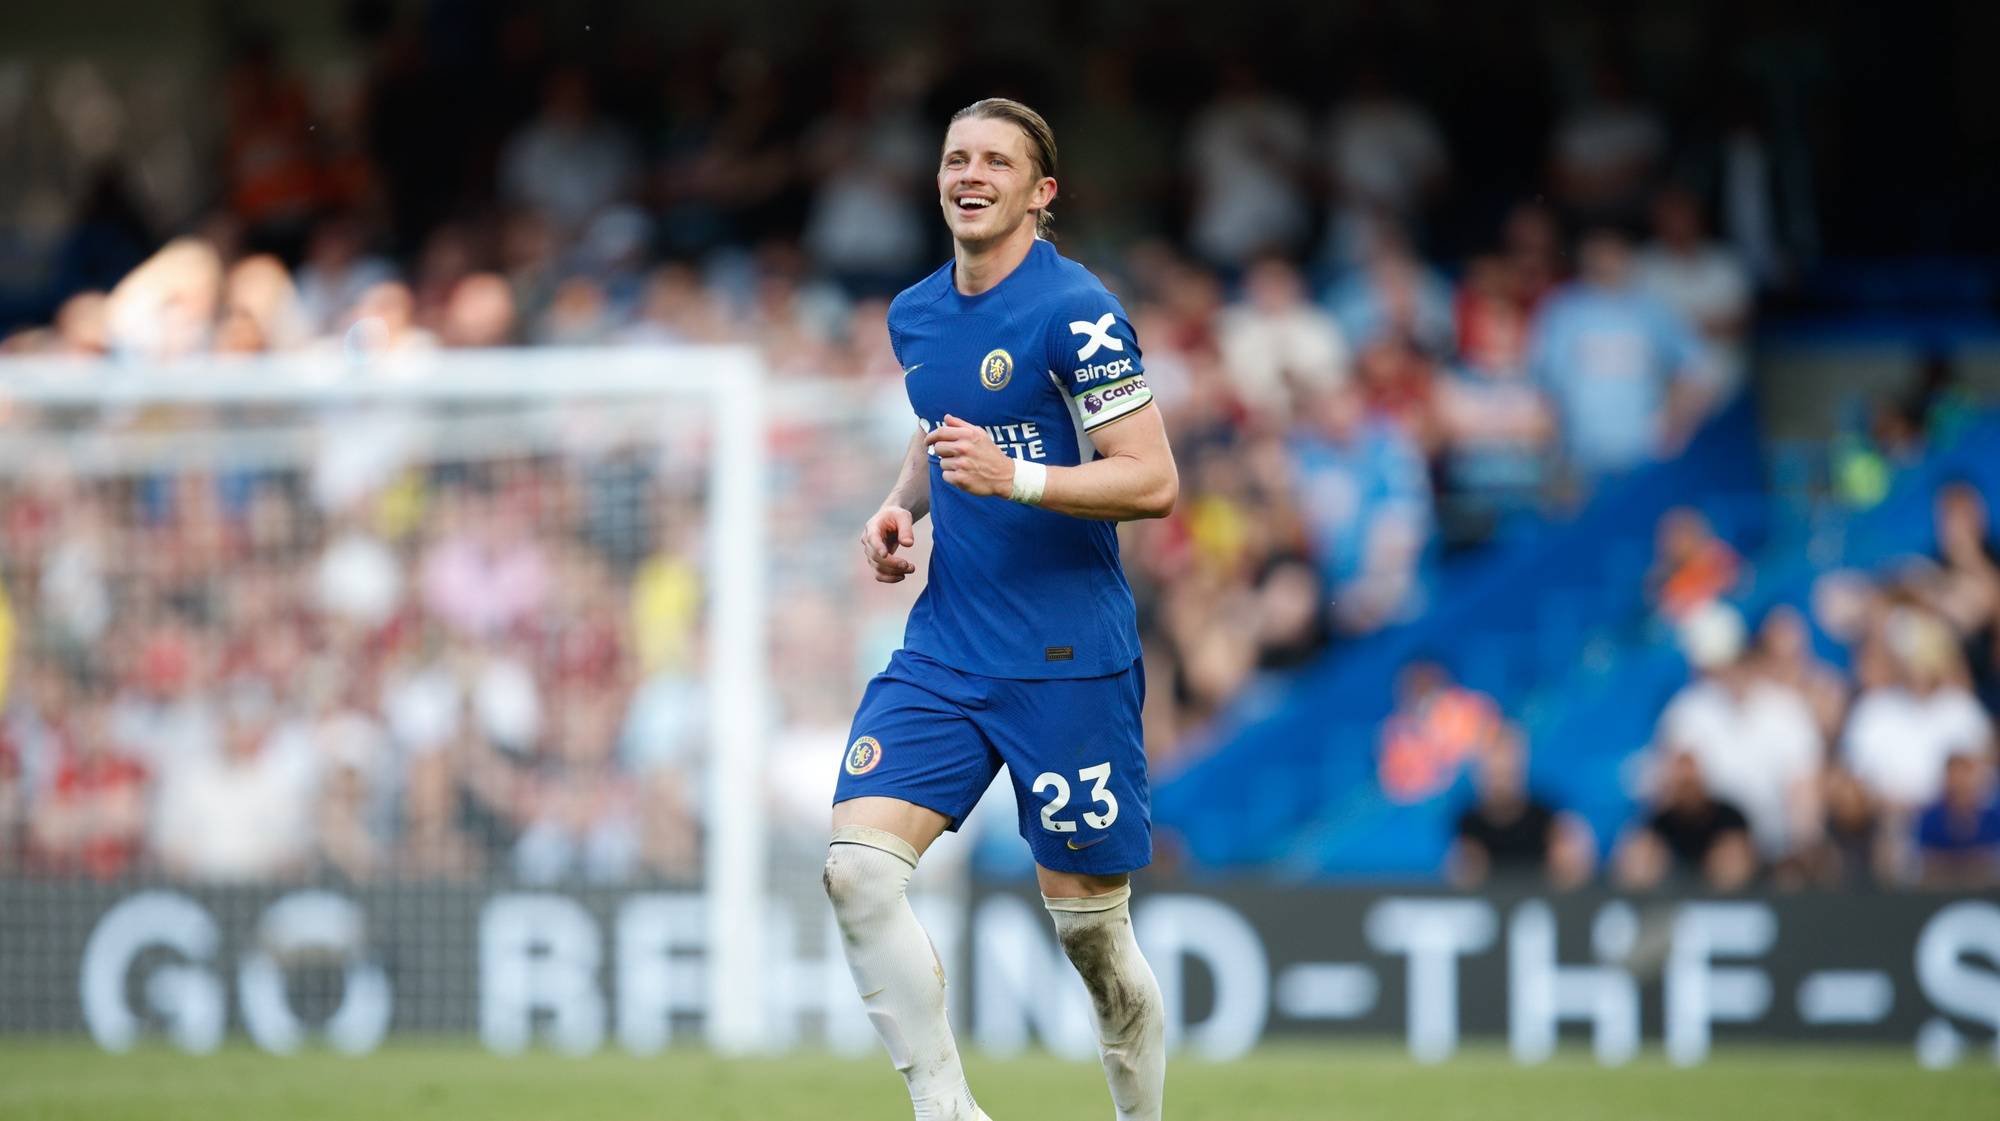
{"points": [[971, 461]]}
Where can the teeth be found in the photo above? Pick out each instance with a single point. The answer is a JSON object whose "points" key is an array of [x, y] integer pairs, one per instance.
{"points": [[975, 204]]}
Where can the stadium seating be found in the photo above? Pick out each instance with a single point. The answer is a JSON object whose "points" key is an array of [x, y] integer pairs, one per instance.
{"points": [[1561, 641]]}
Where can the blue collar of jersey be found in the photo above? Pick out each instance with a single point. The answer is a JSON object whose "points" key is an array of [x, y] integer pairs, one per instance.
{"points": [[1037, 254]]}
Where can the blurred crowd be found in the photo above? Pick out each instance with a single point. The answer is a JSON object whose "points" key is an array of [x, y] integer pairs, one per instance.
{"points": [[470, 667], [1845, 741]]}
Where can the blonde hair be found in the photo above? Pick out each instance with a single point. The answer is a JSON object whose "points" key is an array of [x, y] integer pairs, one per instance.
{"points": [[1041, 141]]}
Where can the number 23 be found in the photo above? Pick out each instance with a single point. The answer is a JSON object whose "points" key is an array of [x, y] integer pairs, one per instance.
{"points": [[1099, 778]]}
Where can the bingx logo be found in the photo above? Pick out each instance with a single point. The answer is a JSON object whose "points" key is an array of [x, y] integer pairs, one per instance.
{"points": [[1098, 335]]}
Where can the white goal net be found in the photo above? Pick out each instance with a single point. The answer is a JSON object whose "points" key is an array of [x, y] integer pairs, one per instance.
{"points": [[485, 692]]}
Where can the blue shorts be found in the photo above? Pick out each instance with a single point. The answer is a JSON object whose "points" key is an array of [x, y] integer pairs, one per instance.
{"points": [[935, 736]]}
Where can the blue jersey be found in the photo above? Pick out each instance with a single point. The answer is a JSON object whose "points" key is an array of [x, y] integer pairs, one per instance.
{"points": [[1040, 360]]}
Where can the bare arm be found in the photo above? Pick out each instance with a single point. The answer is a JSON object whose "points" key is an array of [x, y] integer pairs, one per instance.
{"points": [[894, 525], [912, 491], [1468, 863], [1689, 400], [1135, 478]]}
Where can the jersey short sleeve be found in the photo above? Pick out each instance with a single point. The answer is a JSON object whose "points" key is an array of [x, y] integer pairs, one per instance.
{"points": [[1095, 356], [904, 308]]}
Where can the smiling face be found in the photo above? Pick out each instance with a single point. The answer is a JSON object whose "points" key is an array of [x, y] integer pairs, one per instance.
{"points": [[989, 184]]}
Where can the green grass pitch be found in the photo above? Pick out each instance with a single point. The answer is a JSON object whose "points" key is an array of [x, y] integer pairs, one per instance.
{"points": [[1372, 1082]]}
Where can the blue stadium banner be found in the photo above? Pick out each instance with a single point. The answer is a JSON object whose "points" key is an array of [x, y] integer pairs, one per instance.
{"points": [[1240, 965], [584, 970]]}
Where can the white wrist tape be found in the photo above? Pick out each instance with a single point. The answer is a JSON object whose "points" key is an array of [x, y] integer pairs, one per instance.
{"points": [[1029, 479]]}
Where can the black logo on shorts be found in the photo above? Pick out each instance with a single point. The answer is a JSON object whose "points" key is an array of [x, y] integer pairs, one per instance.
{"points": [[1059, 654]]}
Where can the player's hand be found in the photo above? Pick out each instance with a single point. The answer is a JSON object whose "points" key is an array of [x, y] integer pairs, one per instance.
{"points": [[891, 528], [971, 461]]}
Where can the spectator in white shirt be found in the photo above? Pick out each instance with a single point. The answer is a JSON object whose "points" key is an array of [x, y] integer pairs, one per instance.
{"points": [[1754, 739], [1901, 732], [1701, 279], [1247, 152], [567, 162], [1276, 340], [866, 224], [1385, 155], [1606, 149], [243, 813]]}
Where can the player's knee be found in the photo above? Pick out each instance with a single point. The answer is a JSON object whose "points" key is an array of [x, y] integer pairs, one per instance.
{"points": [[1100, 946], [842, 877], [856, 884]]}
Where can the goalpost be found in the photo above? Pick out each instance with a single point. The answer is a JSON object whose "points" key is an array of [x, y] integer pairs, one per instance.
{"points": [[137, 429]]}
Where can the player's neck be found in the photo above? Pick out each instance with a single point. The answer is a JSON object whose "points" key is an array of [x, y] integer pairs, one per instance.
{"points": [[977, 268]]}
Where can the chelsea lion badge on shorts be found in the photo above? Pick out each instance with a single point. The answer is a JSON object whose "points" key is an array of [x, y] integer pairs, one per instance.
{"points": [[995, 369], [862, 757]]}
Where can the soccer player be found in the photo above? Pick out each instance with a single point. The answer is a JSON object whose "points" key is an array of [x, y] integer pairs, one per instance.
{"points": [[1034, 437]]}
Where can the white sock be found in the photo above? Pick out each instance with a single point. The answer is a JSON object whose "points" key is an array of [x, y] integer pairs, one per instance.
{"points": [[1096, 933], [896, 969]]}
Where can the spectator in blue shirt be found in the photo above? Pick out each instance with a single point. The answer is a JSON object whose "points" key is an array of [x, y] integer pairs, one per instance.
{"points": [[1958, 836], [1626, 375], [1366, 501], [1393, 293]]}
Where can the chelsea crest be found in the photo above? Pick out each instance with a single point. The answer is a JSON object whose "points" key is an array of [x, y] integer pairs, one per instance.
{"points": [[863, 755], [995, 369]]}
